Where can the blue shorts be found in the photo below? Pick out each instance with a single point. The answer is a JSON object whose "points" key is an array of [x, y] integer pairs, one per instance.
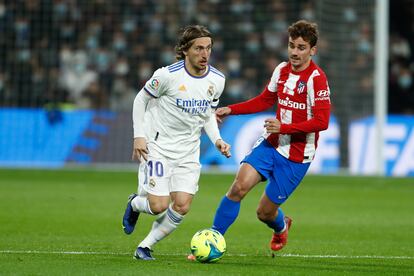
{"points": [[282, 174]]}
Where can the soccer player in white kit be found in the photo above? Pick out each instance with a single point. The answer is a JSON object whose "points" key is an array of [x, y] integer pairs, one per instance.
{"points": [[168, 115]]}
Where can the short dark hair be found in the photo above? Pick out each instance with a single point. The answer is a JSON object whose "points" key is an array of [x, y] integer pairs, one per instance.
{"points": [[305, 29], [188, 34]]}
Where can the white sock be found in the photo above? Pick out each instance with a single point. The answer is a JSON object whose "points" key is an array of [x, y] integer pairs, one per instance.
{"points": [[141, 204], [162, 227]]}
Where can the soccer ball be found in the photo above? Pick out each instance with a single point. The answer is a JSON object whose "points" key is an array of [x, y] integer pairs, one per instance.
{"points": [[208, 246]]}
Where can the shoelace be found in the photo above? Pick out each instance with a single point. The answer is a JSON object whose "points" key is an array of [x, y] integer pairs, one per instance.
{"points": [[147, 251]]}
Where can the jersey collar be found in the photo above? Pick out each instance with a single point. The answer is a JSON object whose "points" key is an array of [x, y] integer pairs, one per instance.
{"points": [[198, 77]]}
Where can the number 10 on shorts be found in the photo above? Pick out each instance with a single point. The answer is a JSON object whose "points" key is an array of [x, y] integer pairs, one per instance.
{"points": [[155, 168]]}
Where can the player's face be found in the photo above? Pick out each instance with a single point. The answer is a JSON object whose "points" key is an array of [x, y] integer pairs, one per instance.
{"points": [[198, 54], [300, 53]]}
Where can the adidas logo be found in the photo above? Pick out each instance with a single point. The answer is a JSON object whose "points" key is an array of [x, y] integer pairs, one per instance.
{"points": [[182, 88]]}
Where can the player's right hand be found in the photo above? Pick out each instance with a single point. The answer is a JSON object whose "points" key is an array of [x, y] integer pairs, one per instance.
{"points": [[223, 147], [140, 149], [272, 125], [222, 112]]}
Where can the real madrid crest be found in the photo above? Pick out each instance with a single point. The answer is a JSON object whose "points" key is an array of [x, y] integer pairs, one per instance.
{"points": [[210, 90], [152, 182]]}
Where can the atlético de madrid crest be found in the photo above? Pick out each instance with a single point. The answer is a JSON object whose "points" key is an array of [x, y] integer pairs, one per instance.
{"points": [[301, 87]]}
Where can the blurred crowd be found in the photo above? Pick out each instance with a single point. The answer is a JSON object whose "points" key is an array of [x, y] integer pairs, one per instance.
{"points": [[401, 56], [99, 53]]}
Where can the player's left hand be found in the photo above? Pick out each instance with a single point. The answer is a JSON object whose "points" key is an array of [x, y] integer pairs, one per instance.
{"points": [[223, 147], [222, 112], [272, 125]]}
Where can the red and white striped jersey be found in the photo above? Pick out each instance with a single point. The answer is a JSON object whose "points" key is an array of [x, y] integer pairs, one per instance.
{"points": [[303, 107]]}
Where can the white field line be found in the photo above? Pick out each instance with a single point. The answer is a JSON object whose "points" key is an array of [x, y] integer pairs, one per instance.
{"points": [[231, 255]]}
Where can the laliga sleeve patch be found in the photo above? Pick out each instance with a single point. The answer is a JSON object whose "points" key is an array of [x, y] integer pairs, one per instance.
{"points": [[154, 84]]}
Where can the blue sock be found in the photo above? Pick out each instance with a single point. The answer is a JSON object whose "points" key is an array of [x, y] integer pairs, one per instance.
{"points": [[226, 214], [279, 223]]}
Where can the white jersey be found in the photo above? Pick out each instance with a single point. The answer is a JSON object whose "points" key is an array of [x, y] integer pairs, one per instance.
{"points": [[182, 104]]}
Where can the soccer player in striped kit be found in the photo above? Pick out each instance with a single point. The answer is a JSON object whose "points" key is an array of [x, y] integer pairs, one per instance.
{"points": [[283, 154], [168, 115]]}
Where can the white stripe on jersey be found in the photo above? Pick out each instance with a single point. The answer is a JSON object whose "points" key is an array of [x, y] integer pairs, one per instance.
{"points": [[311, 91], [310, 146], [286, 115], [290, 84], [284, 139], [310, 137]]}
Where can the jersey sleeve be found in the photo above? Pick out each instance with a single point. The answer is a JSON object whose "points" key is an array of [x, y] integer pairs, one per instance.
{"points": [[259, 103], [319, 122], [155, 86], [262, 102], [211, 128], [321, 93], [272, 86], [216, 98], [138, 112]]}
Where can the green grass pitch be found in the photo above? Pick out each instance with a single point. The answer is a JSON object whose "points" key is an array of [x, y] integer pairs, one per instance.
{"points": [[63, 222]]}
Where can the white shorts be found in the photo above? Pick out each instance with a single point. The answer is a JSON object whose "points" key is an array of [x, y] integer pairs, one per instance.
{"points": [[160, 175]]}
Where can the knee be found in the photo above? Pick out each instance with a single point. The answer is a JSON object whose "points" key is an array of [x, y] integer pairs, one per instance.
{"points": [[238, 190], [181, 208], [158, 207], [264, 216]]}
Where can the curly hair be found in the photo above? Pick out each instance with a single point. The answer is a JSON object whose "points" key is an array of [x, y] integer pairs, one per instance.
{"points": [[305, 29], [188, 34]]}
